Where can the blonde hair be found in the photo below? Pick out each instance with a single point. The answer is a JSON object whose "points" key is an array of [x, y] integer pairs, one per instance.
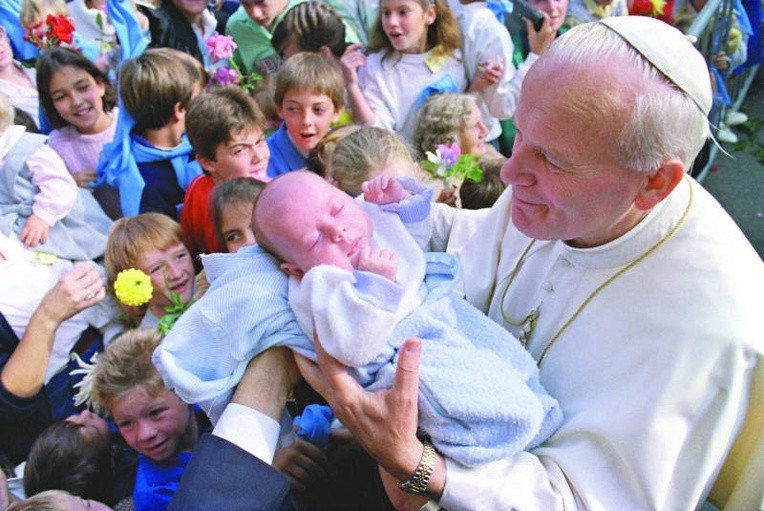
{"points": [[49, 500], [320, 157], [153, 83], [125, 365], [441, 120], [310, 72], [361, 154], [35, 11], [129, 237], [443, 32], [7, 112]]}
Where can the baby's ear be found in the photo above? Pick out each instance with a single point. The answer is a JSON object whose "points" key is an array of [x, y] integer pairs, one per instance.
{"points": [[292, 270]]}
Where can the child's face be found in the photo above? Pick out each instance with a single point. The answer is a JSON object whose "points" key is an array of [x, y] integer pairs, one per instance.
{"points": [[153, 426], [236, 225], [310, 222], [171, 271], [473, 133], [245, 155], [308, 117], [78, 99], [556, 9], [405, 23], [264, 12]]}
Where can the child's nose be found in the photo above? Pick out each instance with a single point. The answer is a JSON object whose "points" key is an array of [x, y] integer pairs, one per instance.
{"points": [[146, 430]]}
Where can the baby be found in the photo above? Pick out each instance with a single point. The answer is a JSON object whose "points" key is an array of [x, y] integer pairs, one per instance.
{"points": [[360, 282]]}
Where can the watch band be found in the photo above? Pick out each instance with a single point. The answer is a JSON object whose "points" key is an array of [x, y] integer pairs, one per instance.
{"points": [[417, 483]]}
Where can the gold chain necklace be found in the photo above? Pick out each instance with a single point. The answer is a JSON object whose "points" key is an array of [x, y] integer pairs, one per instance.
{"points": [[528, 323]]}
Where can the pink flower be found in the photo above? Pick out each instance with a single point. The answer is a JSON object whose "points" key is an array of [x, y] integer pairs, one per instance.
{"points": [[225, 76], [449, 155], [220, 47]]}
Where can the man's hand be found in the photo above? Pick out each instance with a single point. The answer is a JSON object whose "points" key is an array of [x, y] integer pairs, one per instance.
{"points": [[379, 261], [383, 422], [383, 189]]}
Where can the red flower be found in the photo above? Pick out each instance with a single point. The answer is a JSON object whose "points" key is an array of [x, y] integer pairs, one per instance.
{"points": [[61, 28]]}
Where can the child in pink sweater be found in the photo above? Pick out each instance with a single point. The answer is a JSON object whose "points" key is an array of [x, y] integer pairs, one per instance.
{"points": [[80, 104]]}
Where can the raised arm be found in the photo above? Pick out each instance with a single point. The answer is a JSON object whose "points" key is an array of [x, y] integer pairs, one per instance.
{"points": [[24, 372]]}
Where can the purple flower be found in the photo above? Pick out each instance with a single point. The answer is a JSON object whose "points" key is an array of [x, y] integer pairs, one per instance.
{"points": [[220, 47], [449, 155], [225, 76]]}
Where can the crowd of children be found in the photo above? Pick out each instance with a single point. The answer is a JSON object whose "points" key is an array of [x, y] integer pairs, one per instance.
{"points": [[139, 162]]}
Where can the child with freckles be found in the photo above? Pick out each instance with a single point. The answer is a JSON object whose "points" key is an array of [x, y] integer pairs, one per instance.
{"points": [[360, 284]]}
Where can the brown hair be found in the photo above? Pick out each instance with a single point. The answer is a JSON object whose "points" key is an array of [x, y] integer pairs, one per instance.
{"points": [[310, 25], [312, 72], [215, 116], [443, 32], [62, 459], [52, 60], [153, 83]]}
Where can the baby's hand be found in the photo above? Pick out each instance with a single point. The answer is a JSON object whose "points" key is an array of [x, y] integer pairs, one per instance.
{"points": [[379, 261], [35, 231], [84, 178], [383, 189]]}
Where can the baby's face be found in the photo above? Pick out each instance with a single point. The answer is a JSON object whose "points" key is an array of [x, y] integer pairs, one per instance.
{"points": [[310, 222]]}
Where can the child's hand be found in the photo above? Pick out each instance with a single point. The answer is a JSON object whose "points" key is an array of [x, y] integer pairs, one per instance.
{"points": [[83, 178], [383, 189], [35, 231], [351, 60], [447, 196], [489, 73], [379, 261], [301, 463]]}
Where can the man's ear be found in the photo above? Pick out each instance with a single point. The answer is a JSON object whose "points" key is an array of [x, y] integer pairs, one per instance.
{"points": [[292, 270], [325, 51], [660, 184]]}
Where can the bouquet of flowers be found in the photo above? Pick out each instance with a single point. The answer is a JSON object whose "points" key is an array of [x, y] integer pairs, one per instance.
{"points": [[449, 164], [220, 49], [54, 31], [133, 287]]}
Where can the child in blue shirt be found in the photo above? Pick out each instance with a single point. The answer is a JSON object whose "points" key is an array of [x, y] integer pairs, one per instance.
{"points": [[152, 420], [150, 161], [309, 98]]}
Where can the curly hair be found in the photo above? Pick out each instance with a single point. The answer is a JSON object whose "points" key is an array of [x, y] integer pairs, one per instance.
{"points": [[441, 120]]}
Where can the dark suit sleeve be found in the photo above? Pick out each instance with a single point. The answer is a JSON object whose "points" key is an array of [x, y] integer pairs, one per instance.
{"points": [[221, 475]]}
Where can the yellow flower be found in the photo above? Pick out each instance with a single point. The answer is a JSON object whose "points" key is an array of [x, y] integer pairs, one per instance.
{"points": [[133, 287]]}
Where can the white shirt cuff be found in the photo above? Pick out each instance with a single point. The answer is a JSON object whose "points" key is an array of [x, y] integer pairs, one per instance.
{"points": [[250, 430]]}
